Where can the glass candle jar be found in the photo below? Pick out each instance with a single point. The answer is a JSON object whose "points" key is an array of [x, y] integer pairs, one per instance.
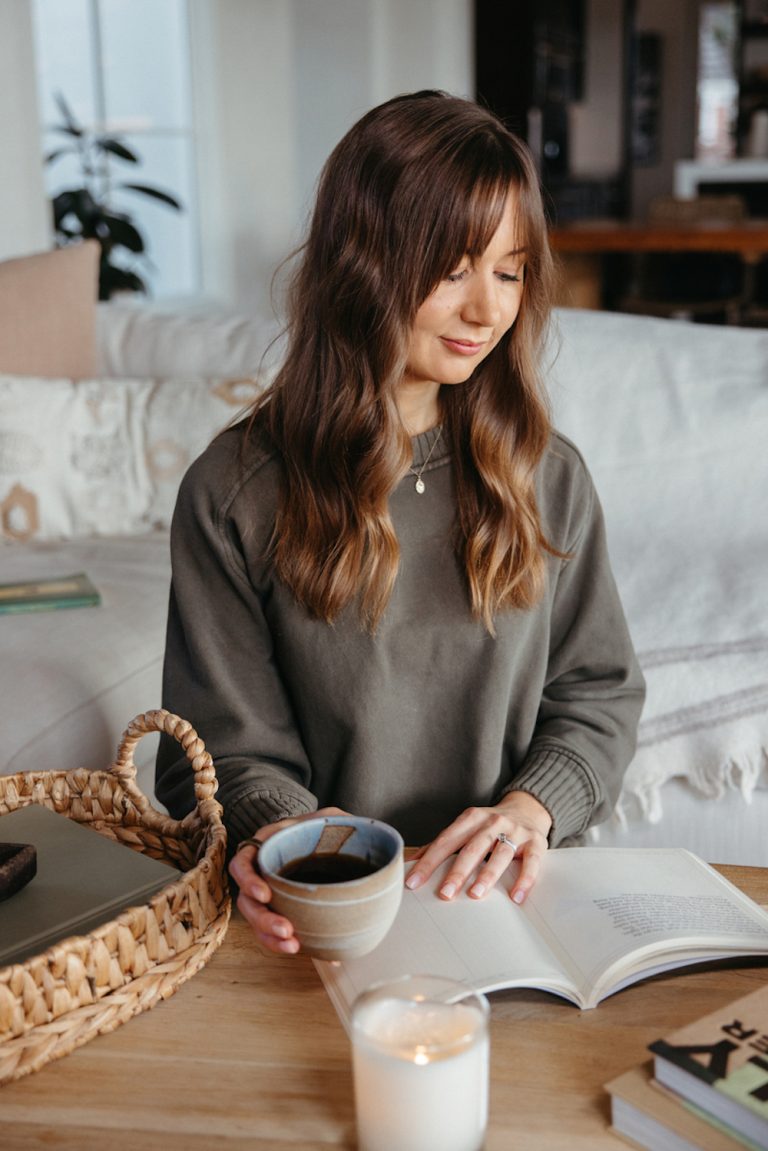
{"points": [[420, 1056]]}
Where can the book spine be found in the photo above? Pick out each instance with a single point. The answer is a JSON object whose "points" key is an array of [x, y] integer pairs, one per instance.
{"points": [[48, 605]]}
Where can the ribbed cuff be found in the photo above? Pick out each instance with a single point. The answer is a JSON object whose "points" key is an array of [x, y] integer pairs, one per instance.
{"points": [[253, 809], [562, 782]]}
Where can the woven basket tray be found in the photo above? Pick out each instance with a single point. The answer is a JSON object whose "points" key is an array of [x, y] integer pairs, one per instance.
{"points": [[90, 984]]}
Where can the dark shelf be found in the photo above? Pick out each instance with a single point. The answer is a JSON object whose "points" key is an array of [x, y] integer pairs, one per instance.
{"points": [[529, 67]]}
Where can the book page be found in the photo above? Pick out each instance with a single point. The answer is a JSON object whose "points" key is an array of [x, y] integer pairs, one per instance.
{"points": [[489, 944], [603, 908]]}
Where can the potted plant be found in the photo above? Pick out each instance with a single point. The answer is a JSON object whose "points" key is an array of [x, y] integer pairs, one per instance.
{"points": [[84, 212]]}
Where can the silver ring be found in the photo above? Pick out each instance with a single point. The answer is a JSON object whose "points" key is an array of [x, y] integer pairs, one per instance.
{"points": [[503, 838]]}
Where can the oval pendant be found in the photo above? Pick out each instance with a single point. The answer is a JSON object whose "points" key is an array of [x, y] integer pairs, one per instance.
{"points": [[420, 486]]}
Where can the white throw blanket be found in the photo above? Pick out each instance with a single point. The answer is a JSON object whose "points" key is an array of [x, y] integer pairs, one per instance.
{"points": [[672, 419]]}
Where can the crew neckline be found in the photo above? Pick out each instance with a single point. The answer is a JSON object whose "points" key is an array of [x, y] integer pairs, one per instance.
{"points": [[425, 443]]}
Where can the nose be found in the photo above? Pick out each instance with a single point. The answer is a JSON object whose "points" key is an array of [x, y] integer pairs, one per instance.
{"points": [[481, 302]]}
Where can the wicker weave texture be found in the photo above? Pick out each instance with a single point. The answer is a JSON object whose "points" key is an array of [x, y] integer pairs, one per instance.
{"points": [[87, 985]]}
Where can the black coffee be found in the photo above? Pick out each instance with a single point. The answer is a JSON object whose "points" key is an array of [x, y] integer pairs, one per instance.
{"points": [[327, 868]]}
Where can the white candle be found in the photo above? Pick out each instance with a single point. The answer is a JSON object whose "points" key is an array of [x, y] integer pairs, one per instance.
{"points": [[420, 1072]]}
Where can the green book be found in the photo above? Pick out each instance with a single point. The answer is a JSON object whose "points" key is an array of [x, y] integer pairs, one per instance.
{"points": [[83, 880], [48, 594]]}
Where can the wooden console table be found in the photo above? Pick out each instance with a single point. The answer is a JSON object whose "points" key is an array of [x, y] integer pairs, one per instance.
{"points": [[747, 238], [249, 1054], [581, 246]]}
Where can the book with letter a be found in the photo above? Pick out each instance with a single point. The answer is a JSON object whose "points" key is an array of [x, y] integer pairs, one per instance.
{"points": [[597, 920], [650, 1116], [719, 1062]]}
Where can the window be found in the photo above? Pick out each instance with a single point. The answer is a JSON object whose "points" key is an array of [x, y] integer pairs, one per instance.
{"points": [[718, 87], [123, 66]]}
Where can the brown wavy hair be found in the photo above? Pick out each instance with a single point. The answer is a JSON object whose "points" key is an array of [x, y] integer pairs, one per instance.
{"points": [[417, 184]]}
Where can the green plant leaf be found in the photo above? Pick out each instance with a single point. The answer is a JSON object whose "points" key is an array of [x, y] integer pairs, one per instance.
{"points": [[65, 203], [72, 126], [113, 279], [51, 156], [155, 193], [116, 147], [121, 231], [79, 202], [65, 131]]}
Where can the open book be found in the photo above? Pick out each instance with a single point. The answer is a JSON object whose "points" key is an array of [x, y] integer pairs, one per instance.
{"points": [[597, 920]]}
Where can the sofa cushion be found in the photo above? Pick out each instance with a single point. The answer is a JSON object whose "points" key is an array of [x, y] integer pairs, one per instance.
{"points": [[141, 341], [103, 457], [48, 313]]}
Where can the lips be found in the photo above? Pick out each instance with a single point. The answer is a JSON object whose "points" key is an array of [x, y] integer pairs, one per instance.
{"points": [[462, 347]]}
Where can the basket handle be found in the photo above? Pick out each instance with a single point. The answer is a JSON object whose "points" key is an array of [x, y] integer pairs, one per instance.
{"points": [[183, 732]]}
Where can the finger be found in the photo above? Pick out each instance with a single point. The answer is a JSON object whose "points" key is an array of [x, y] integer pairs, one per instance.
{"points": [[475, 843], [491, 872], [432, 856], [242, 868], [273, 931], [532, 858], [467, 862]]}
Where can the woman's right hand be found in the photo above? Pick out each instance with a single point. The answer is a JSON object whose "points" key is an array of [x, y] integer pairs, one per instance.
{"points": [[272, 931]]}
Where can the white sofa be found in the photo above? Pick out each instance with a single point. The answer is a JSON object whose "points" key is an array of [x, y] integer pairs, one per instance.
{"points": [[671, 417]]}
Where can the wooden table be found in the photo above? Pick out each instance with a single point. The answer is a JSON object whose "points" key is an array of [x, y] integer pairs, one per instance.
{"points": [[747, 238], [249, 1054], [583, 245]]}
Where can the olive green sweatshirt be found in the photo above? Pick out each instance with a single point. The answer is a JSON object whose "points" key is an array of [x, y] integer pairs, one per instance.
{"points": [[429, 715]]}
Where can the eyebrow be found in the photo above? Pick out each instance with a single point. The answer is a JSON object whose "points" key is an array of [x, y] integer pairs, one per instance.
{"points": [[506, 256]]}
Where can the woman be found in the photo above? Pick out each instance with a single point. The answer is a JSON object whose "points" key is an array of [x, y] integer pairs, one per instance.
{"points": [[391, 593]]}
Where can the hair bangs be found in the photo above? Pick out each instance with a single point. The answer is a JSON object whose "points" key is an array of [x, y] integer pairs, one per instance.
{"points": [[473, 197], [486, 203]]}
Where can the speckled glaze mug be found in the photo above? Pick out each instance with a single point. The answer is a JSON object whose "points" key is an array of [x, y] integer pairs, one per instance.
{"points": [[339, 879]]}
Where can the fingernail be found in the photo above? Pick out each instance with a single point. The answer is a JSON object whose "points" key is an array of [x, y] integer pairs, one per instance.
{"points": [[281, 931], [477, 890], [518, 897], [414, 880], [448, 891]]}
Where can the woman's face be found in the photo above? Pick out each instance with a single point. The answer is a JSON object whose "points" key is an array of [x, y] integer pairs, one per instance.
{"points": [[464, 318]]}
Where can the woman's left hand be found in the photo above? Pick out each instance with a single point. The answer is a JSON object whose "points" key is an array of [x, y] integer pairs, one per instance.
{"points": [[517, 827]]}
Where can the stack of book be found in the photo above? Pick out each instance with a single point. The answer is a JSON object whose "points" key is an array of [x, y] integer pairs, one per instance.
{"points": [[706, 1088]]}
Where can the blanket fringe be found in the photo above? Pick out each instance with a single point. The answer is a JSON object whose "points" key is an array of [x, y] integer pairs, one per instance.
{"points": [[643, 798]]}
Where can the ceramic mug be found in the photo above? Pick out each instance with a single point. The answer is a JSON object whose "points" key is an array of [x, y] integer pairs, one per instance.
{"points": [[339, 879]]}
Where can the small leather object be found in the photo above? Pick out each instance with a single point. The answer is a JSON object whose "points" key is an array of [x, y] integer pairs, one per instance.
{"points": [[18, 864]]}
